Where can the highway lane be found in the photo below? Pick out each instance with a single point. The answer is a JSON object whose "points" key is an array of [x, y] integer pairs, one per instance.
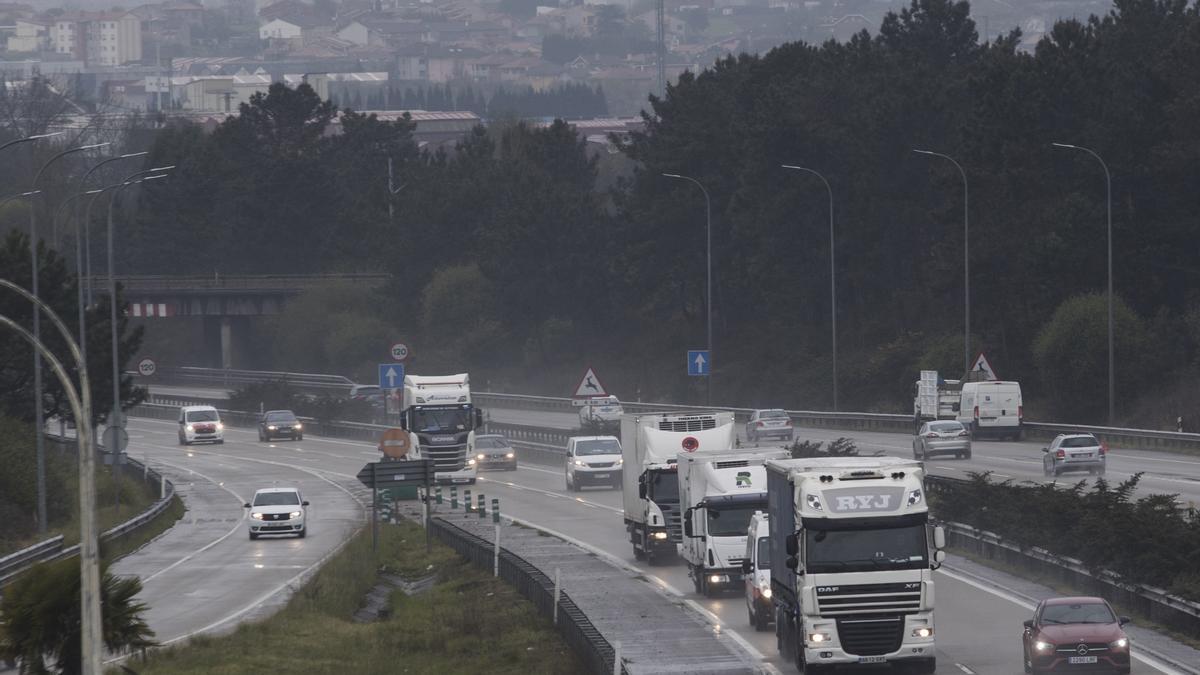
{"points": [[204, 574], [969, 617], [1163, 472]]}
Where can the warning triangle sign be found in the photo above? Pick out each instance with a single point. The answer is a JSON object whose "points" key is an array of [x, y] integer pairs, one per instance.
{"points": [[982, 366], [590, 386]]}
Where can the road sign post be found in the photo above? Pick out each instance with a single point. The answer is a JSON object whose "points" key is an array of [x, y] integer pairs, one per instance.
{"points": [[699, 363], [374, 510], [391, 375]]}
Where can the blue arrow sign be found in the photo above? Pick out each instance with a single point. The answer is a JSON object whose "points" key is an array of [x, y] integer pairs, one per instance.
{"points": [[391, 375], [699, 362]]}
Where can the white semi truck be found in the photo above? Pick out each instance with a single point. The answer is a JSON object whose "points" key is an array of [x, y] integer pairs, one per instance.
{"points": [[851, 570], [935, 398], [650, 443], [438, 412], [719, 491]]}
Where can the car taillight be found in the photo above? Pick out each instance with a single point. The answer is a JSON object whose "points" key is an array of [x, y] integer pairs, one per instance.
{"points": [[931, 435], [762, 423], [964, 432], [1021, 412], [1103, 448], [976, 412], [1061, 454]]}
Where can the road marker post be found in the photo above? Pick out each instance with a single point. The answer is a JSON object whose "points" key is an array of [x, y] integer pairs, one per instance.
{"points": [[481, 505], [453, 497], [496, 510], [496, 554], [557, 591]]}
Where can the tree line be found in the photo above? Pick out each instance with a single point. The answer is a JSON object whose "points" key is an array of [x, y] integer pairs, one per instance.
{"points": [[522, 253]]}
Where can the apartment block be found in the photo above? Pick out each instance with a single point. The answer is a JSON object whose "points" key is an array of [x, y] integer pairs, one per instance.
{"points": [[98, 38]]}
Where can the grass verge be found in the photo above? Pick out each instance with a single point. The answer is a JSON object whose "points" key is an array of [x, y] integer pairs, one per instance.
{"points": [[468, 622], [1067, 590]]}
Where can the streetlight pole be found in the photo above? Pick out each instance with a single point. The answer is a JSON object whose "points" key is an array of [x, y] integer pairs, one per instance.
{"points": [[1112, 387], [114, 419], [78, 263], [37, 333], [81, 407], [832, 277], [966, 260], [708, 276], [30, 138]]}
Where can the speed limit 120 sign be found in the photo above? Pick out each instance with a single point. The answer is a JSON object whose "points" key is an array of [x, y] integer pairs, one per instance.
{"points": [[399, 351], [147, 367]]}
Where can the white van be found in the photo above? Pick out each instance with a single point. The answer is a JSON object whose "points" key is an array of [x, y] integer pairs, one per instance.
{"points": [[200, 423], [992, 408], [757, 570]]}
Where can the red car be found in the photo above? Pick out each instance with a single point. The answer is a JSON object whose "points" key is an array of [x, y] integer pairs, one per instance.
{"points": [[1075, 635]]}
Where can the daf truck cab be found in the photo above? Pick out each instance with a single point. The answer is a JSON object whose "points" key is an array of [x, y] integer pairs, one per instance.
{"points": [[438, 412], [850, 562], [650, 443], [720, 490]]}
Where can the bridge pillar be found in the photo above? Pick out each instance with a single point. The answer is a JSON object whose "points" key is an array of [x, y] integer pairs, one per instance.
{"points": [[226, 342]]}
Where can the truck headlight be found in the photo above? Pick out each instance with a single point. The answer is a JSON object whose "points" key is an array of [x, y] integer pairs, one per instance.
{"points": [[1042, 646], [1121, 643], [256, 516], [814, 502], [470, 462], [914, 497], [511, 455], [818, 637], [922, 632], [766, 593], [479, 456], [660, 535]]}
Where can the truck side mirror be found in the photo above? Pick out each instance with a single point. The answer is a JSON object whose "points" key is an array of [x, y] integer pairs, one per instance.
{"points": [[641, 489], [687, 523], [747, 567], [939, 537], [404, 421], [793, 564], [939, 557], [478, 418], [792, 545]]}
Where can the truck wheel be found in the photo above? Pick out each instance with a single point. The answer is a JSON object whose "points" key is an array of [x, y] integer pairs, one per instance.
{"points": [[698, 581], [925, 666], [762, 621], [638, 554]]}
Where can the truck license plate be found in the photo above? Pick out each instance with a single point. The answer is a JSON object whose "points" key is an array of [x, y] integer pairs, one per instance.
{"points": [[600, 475], [871, 659], [1081, 659]]}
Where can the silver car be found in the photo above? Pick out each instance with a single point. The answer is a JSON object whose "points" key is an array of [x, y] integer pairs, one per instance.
{"points": [[770, 423], [1074, 452], [942, 437]]}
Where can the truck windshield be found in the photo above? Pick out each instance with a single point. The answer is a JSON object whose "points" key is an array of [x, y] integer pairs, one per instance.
{"points": [[731, 521], [664, 488], [893, 548], [441, 419]]}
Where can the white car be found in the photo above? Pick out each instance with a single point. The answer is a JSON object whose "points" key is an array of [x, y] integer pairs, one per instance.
{"points": [[277, 511], [200, 423], [594, 460], [600, 410], [757, 570]]}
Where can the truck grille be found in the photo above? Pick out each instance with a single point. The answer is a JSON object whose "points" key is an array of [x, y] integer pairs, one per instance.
{"points": [[871, 636], [446, 457], [674, 522], [900, 599], [688, 424]]}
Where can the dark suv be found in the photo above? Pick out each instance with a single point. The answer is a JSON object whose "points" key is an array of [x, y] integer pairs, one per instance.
{"points": [[280, 424]]}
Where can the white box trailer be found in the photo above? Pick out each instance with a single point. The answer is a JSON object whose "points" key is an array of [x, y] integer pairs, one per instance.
{"points": [[851, 570], [650, 443], [719, 491]]}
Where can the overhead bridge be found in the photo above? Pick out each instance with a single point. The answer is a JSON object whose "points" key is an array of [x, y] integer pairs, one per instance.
{"points": [[225, 301]]}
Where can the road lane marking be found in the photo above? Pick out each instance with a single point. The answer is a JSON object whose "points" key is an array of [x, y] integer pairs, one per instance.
{"points": [[965, 669], [579, 500]]}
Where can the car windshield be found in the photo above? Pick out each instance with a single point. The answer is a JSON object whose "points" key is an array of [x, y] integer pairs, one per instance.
{"points": [[1080, 442], [609, 446], [447, 420], [892, 548], [276, 498], [1083, 612], [764, 553], [731, 522], [491, 443], [202, 416], [945, 427], [281, 417], [773, 413]]}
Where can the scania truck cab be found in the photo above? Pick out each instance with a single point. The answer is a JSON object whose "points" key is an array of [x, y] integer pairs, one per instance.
{"points": [[851, 570], [437, 410]]}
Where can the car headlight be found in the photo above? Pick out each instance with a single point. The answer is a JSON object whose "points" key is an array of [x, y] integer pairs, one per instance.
{"points": [[256, 516], [1042, 646], [190, 428], [1121, 643], [220, 426], [619, 462], [818, 637], [297, 426], [511, 455], [660, 535], [271, 427], [470, 462], [580, 462], [295, 514], [922, 632], [479, 456]]}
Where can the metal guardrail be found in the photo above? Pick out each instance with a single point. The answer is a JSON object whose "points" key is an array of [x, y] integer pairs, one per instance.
{"points": [[578, 631], [14, 565], [222, 377]]}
